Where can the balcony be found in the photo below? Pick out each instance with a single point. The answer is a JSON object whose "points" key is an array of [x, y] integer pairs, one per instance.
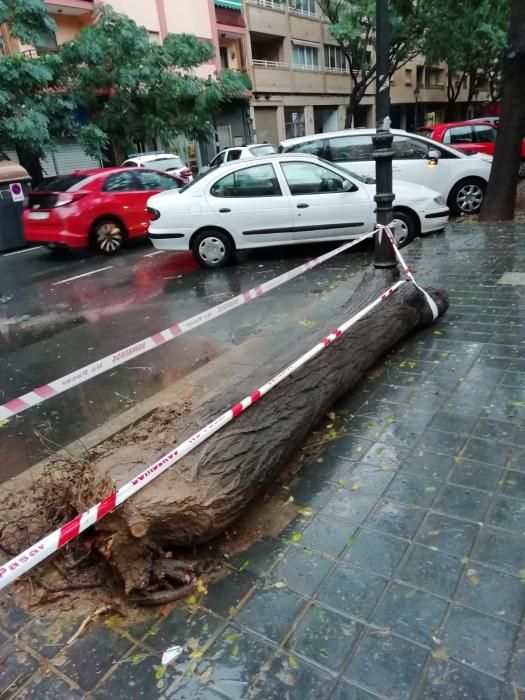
{"points": [[263, 63], [69, 7], [269, 4], [229, 20]]}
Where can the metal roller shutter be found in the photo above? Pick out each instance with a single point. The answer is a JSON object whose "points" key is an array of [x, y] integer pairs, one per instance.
{"points": [[68, 156]]}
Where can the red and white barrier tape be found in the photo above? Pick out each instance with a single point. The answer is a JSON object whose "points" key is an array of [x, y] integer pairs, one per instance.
{"points": [[79, 376], [14, 568]]}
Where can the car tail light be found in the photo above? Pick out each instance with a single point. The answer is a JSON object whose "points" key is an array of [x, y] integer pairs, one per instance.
{"points": [[153, 214], [185, 172], [68, 198]]}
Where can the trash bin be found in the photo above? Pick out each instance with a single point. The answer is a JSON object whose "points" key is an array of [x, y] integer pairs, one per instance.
{"points": [[15, 184]]}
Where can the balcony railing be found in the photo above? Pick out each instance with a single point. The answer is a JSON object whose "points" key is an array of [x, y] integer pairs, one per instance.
{"points": [[340, 71], [259, 63], [304, 13], [311, 69], [270, 4]]}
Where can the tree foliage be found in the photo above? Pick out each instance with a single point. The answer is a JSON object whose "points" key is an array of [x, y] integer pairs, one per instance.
{"points": [[137, 91], [470, 36], [353, 26]]}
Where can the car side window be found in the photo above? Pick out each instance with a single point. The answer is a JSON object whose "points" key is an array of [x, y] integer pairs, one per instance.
{"points": [[484, 134], [121, 182], [350, 148], [406, 148], [218, 160], [312, 148], [156, 181], [257, 181], [129, 164], [234, 154], [310, 178], [460, 134]]}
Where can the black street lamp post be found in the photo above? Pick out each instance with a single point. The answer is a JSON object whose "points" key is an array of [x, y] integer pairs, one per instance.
{"points": [[383, 153]]}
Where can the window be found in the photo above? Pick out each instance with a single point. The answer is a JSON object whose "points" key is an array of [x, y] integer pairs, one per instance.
{"points": [[223, 52], [305, 57], [335, 60], [121, 182], [129, 164], [408, 76], [434, 77], [234, 154], [312, 148], [406, 148], [151, 180], [303, 7], [484, 134], [257, 181], [350, 148], [308, 178], [62, 183], [154, 37], [165, 164], [294, 122], [218, 160], [458, 134], [264, 149]]}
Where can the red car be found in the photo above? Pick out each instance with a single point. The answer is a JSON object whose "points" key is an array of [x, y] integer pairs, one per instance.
{"points": [[98, 208], [475, 136]]}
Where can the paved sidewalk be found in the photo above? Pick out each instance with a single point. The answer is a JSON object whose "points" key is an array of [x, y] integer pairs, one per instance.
{"points": [[404, 576]]}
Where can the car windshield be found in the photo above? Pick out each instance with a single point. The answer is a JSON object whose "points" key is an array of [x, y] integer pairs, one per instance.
{"points": [[360, 178], [197, 179], [62, 183], [264, 149], [165, 164]]}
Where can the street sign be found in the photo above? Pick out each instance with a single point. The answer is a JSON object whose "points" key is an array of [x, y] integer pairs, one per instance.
{"points": [[17, 193]]}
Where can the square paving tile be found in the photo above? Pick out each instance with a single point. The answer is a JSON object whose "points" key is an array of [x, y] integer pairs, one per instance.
{"points": [[500, 548], [102, 646], [385, 456], [189, 689], [289, 677], [476, 475], [448, 680], [16, 665], [432, 441], [479, 640], [325, 637], [352, 506], [428, 465], [180, 625], [431, 570], [410, 613], [387, 665], [351, 590], [487, 451], [376, 551], [517, 670], [508, 513], [260, 556], [312, 492], [496, 431], [512, 484], [47, 635], [371, 478], [139, 676], [234, 658], [463, 502], [413, 491], [491, 591], [301, 570], [228, 591], [396, 518], [47, 686], [327, 535], [270, 612], [12, 616], [348, 691], [448, 534], [350, 447], [452, 423]]}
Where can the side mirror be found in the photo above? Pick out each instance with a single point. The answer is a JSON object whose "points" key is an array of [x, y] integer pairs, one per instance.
{"points": [[433, 157]]}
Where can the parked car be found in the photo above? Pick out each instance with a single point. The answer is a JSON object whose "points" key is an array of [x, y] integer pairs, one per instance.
{"points": [[240, 153], [169, 163], [101, 208], [281, 200], [461, 180], [476, 136]]}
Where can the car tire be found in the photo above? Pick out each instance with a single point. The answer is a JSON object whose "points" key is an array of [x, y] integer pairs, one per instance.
{"points": [[212, 249], [406, 229], [467, 196], [108, 236]]}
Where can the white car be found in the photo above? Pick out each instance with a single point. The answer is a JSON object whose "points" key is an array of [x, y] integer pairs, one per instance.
{"points": [[460, 179], [166, 162], [281, 200], [253, 150]]}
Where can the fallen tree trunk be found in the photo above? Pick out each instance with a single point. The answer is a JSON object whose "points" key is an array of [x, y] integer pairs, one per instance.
{"points": [[205, 492]]}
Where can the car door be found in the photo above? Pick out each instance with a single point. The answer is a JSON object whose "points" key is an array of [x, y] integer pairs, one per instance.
{"points": [[352, 152], [123, 196], [321, 207], [412, 164], [460, 137], [485, 138], [151, 182], [250, 204]]}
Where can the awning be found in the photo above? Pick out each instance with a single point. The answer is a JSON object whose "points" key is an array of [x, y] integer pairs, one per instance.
{"points": [[230, 4]]}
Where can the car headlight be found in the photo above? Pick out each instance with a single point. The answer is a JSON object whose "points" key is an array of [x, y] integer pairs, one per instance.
{"points": [[439, 200]]}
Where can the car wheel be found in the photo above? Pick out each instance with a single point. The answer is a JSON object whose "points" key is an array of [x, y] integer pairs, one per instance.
{"points": [[212, 249], [405, 229], [108, 236], [467, 197]]}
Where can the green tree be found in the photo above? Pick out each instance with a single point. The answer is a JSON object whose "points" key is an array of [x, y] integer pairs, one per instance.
{"points": [[137, 91], [31, 111], [353, 26], [470, 36]]}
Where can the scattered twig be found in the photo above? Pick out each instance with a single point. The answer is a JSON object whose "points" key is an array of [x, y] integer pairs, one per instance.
{"points": [[163, 597], [86, 621]]}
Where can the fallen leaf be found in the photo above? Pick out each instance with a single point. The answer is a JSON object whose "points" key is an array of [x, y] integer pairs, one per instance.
{"points": [[206, 675], [440, 653], [171, 654], [429, 489], [356, 487], [279, 584], [438, 333], [191, 600], [201, 588], [464, 560], [236, 650], [521, 574], [306, 512], [473, 580], [166, 609], [292, 661], [244, 565], [296, 537]]}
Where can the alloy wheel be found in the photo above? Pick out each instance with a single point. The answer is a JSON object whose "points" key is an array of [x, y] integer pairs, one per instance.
{"points": [[109, 237], [469, 198]]}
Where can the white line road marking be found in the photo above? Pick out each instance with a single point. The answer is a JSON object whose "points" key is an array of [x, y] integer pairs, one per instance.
{"points": [[24, 250], [157, 252], [86, 274]]}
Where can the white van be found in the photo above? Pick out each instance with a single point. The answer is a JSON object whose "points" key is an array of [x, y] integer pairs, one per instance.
{"points": [[460, 179]]}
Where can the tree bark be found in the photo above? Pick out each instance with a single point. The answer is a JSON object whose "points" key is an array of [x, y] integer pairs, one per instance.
{"points": [[500, 200], [206, 491], [31, 162]]}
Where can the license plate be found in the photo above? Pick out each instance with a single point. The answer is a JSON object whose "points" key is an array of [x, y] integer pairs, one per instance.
{"points": [[39, 215]]}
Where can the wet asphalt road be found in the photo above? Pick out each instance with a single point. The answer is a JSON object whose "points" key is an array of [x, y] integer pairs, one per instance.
{"points": [[70, 309]]}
